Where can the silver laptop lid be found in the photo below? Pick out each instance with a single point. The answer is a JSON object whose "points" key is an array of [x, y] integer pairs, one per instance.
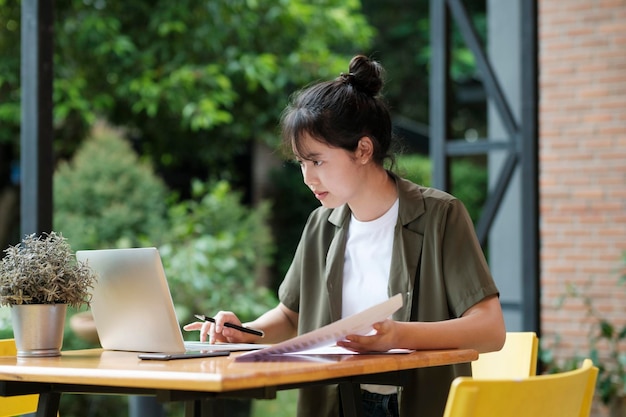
{"points": [[131, 302]]}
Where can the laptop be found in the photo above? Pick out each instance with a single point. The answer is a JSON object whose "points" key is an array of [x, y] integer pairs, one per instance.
{"points": [[132, 305]]}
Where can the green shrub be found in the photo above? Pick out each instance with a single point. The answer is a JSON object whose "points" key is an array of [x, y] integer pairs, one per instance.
{"points": [[106, 197], [214, 247], [468, 179], [415, 167], [469, 184]]}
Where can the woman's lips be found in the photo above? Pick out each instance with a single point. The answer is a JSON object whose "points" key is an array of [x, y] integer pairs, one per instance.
{"points": [[320, 195]]}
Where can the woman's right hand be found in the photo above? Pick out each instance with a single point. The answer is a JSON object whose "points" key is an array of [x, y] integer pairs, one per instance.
{"points": [[217, 332], [278, 324]]}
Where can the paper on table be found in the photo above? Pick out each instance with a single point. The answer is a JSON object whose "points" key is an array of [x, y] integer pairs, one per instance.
{"points": [[360, 323], [338, 350], [231, 347]]}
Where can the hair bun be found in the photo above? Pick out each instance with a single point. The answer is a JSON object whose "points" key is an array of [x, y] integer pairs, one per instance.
{"points": [[365, 75]]}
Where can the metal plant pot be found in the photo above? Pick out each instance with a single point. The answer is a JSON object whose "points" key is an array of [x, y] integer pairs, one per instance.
{"points": [[38, 329]]}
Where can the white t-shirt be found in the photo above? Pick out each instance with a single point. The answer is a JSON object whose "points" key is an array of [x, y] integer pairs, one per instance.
{"points": [[367, 262], [366, 269]]}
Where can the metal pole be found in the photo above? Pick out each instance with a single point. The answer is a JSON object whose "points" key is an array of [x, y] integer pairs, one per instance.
{"points": [[439, 79], [529, 169], [36, 164]]}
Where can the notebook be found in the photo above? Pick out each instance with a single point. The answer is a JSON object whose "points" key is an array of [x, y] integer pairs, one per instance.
{"points": [[132, 305]]}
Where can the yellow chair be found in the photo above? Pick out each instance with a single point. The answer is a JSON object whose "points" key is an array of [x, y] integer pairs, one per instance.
{"points": [[15, 406], [516, 359], [566, 394]]}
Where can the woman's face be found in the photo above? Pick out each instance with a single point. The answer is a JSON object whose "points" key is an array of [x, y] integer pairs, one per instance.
{"points": [[333, 174]]}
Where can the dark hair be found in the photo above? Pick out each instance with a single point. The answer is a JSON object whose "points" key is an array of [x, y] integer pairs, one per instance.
{"points": [[340, 112]]}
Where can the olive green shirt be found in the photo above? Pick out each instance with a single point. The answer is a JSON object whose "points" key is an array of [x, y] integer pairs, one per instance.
{"points": [[437, 265]]}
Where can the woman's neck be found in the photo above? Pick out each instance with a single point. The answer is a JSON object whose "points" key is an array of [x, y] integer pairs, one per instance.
{"points": [[379, 192]]}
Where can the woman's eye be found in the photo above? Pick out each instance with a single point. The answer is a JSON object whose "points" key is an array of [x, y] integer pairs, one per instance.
{"points": [[317, 163]]}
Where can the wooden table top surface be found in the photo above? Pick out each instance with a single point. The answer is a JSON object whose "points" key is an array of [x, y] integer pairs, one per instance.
{"points": [[98, 367]]}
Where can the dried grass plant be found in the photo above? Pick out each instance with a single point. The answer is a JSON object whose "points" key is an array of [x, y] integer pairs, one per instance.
{"points": [[43, 270]]}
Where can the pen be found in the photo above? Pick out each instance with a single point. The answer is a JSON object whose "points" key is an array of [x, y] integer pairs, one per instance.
{"points": [[232, 326]]}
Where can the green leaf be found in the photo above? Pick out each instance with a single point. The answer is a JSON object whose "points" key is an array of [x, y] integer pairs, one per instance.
{"points": [[606, 329]]}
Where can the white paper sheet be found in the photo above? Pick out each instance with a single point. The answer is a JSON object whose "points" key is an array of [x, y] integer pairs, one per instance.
{"points": [[360, 323], [231, 347], [338, 350]]}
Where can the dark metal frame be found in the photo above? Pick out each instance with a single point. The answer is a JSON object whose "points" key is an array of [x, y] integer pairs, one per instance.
{"points": [[36, 119], [521, 145]]}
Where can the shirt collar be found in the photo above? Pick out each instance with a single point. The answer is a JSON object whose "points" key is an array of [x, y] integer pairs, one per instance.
{"points": [[411, 204]]}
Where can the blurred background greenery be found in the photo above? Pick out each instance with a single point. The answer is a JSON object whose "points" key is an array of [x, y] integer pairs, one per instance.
{"points": [[164, 111]]}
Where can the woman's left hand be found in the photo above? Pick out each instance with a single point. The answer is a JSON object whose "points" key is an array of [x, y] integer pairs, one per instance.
{"points": [[380, 341]]}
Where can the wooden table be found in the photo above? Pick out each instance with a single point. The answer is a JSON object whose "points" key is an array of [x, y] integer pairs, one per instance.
{"points": [[196, 380]]}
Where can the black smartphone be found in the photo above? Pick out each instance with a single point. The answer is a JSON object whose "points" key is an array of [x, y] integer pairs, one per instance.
{"points": [[186, 355]]}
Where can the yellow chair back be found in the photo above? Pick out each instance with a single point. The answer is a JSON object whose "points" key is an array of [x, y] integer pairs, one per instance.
{"points": [[566, 394], [15, 406], [516, 359]]}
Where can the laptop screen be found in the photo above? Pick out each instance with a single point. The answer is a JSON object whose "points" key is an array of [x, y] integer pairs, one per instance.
{"points": [[131, 302]]}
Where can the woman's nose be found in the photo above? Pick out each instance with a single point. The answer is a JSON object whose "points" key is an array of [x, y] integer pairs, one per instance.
{"points": [[308, 176]]}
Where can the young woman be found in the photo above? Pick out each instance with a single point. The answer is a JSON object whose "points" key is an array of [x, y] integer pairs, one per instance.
{"points": [[375, 235]]}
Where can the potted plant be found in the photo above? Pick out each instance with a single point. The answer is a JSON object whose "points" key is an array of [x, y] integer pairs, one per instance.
{"points": [[607, 342], [39, 279], [612, 365]]}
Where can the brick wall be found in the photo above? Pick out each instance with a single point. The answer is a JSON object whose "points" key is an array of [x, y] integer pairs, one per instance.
{"points": [[582, 117]]}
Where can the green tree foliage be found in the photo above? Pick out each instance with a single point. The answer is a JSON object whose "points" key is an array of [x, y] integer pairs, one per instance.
{"points": [[211, 244], [214, 246], [9, 71], [402, 44], [105, 197], [196, 81]]}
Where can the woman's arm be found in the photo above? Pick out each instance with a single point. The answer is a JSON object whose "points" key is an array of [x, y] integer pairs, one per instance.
{"points": [[278, 324], [481, 328]]}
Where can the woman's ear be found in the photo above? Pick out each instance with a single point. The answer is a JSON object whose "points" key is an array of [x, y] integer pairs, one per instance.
{"points": [[365, 149]]}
